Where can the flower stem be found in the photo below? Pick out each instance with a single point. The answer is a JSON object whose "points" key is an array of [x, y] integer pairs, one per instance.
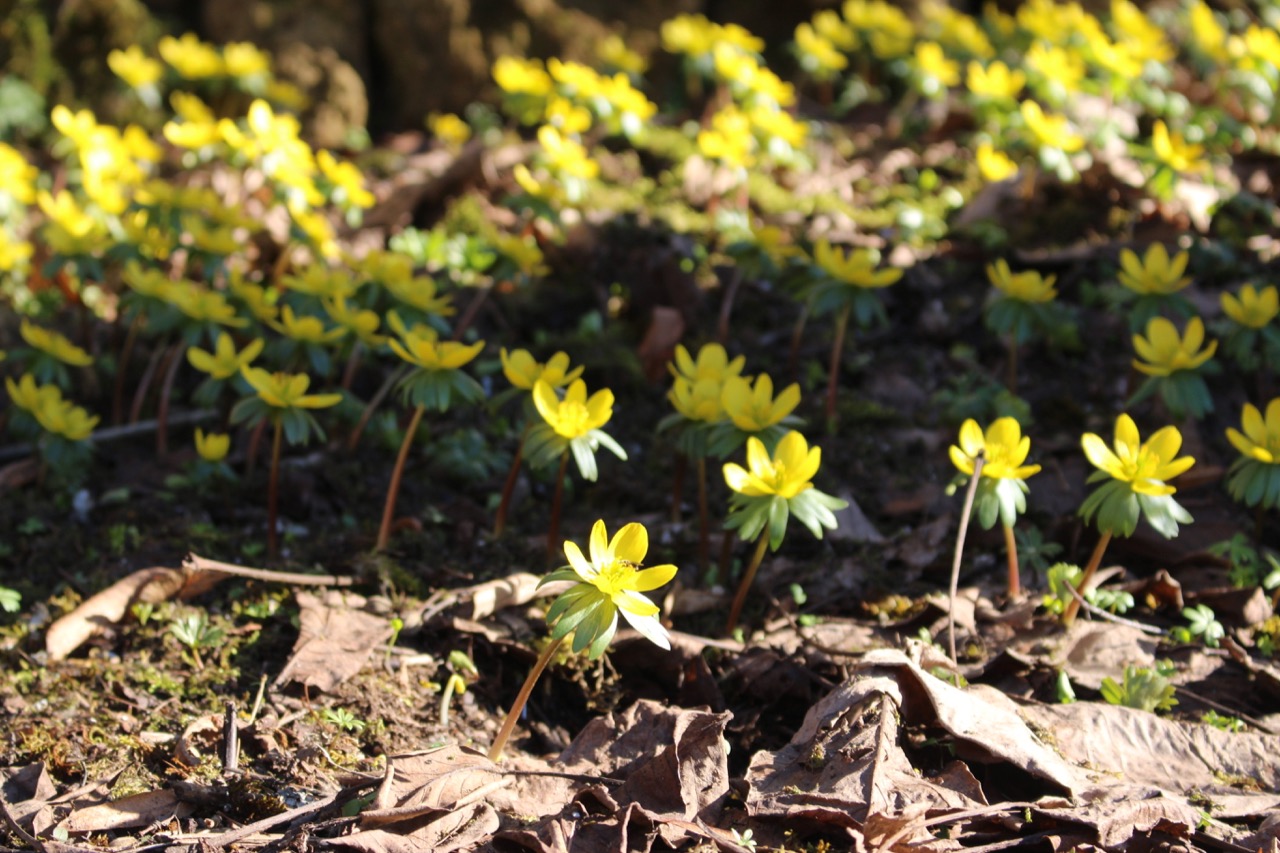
{"points": [[1095, 560], [1011, 377], [393, 490], [126, 353], [166, 392], [747, 578], [833, 377], [677, 486], [553, 528], [704, 521], [509, 487], [1011, 556], [517, 707], [273, 489], [372, 406]]}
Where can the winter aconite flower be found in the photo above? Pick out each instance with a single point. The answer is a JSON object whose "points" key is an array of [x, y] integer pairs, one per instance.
{"points": [[608, 582], [1175, 364], [523, 370], [1254, 478], [1156, 280], [1136, 475], [771, 489], [572, 424], [1001, 493], [50, 354], [1174, 151], [1253, 339], [752, 406], [283, 392], [1133, 476], [212, 447]]}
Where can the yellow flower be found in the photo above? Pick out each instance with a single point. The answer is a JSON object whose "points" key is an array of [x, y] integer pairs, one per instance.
{"points": [[134, 67], [449, 128], [29, 396], [575, 415], [1145, 466], [422, 347], [203, 305], [346, 178], [756, 409], [286, 390], [224, 362], [789, 472], [260, 301], [63, 210], [818, 54], [1061, 67], [1004, 448], [857, 267], [307, 330], [1050, 131], [934, 64], [994, 80], [63, 418], [712, 363], [17, 176], [1147, 39], [1155, 273], [1174, 151], [1207, 34], [523, 370], [212, 447], [614, 51], [1026, 286], [420, 293], [609, 583], [363, 323], [191, 57], [728, 138], [566, 155], [243, 59], [322, 282], [1261, 438], [698, 401], [522, 76], [14, 253], [994, 165], [1163, 352], [54, 344], [1253, 308]]}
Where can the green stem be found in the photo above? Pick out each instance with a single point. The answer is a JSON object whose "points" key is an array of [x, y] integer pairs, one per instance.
{"points": [[454, 684], [704, 518], [397, 473], [522, 698], [747, 578], [273, 489], [509, 487], [1095, 560], [1011, 557], [553, 529], [833, 378]]}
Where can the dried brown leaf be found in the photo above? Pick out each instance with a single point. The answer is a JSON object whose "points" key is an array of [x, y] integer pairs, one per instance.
{"points": [[129, 812], [445, 832], [335, 639], [109, 606]]}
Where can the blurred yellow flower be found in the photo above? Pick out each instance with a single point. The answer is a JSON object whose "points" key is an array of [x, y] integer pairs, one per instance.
{"points": [[523, 370], [224, 362], [1252, 308], [818, 54], [576, 415], [242, 60], [449, 128], [1174, 151], [857, 267], [134, 67], [613, 51], [347, 180], [286, 390], [994, 165], [54, 344], [423, 348], [1050, 131], [212, 447], [517, 76], [712, 363], [994, 80], [1261, 438], [932, 63], [191, 57], [754, 408], [17, 176], [1155, 273], [1162, 351], [1026, 286]]}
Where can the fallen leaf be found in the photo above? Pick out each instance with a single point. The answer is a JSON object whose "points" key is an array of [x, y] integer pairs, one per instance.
{"points": [[335, 639], [109, 606], [138, 810]]}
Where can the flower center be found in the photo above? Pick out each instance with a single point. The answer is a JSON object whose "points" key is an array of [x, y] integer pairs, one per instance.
{"points": [[613, 577], [573, 418]]}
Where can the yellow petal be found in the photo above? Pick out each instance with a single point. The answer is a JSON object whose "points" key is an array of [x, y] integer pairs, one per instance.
{"points": [[630, 543], [601, 552]]}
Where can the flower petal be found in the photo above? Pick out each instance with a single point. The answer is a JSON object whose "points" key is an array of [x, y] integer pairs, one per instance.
{"points": [[601, 551], [653, 577], [630, 543], [650, 627], [579, 563]]}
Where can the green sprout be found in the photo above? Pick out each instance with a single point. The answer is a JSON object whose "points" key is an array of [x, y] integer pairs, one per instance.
{"points": [[1142, 688], [194, 631]]}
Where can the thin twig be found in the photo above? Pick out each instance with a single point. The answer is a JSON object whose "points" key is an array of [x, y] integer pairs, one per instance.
{"points": [[1094, 610], [196, 563], [955, 561]]}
